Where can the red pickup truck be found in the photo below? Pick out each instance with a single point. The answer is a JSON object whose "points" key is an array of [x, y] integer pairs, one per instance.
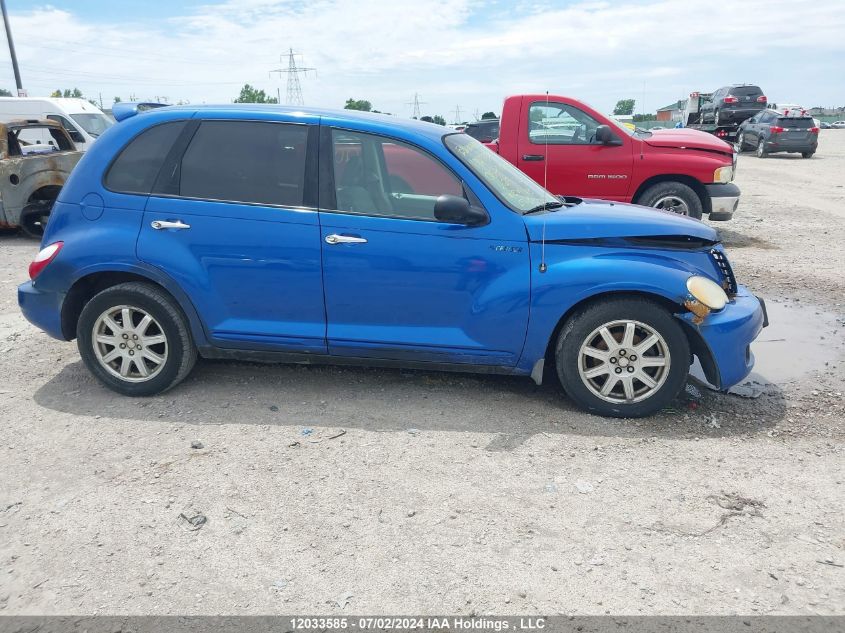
{"points": [[577, 151]]}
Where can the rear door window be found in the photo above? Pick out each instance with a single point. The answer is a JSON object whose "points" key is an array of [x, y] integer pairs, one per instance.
{"points": [[258, 162], [138, 164]]}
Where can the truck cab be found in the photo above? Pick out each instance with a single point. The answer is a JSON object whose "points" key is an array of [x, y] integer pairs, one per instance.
{"points": [[82, 120], [574, 150]]}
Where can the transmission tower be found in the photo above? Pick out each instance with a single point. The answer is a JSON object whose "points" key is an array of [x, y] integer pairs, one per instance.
{"points": [[416, 103], [457, 115], [294, 93]]}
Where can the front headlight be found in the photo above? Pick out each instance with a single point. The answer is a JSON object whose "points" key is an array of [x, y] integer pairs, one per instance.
{"points": [[708, 292], [724, 174]]}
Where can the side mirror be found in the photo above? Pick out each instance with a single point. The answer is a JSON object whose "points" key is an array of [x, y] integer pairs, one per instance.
{"points": [[605, 136], [457, 210]]}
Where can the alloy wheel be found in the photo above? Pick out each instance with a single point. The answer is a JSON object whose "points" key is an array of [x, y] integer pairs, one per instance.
{"points": [[129, 343], [675, 204], [624, 361]]}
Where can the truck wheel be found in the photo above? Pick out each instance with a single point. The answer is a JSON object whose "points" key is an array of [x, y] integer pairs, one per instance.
{"points": [[34, 218], [673, 196], [623, 358], [135, 340]]}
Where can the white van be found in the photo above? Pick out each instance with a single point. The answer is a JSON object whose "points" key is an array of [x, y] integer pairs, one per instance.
{"points": [[83, 121]]}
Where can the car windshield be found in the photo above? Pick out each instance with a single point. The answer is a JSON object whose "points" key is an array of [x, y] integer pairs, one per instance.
{"points": [[516, 190], [94, 124]]}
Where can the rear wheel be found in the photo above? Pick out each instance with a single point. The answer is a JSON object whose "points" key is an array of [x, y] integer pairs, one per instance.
{"points": [[135, 339], [34, 218], [673, 196], [716, 117], [622, 357], [807, 154]]}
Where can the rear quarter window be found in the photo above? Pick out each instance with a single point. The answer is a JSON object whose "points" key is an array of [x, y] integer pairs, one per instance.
{"points": [[136, 167]]}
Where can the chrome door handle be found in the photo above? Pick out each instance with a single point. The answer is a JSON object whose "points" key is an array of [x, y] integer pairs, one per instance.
{"points": [[334, 238], [167, 224]]}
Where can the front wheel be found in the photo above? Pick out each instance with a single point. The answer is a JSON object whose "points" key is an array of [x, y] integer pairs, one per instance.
{"points": [[740, 142], [673, 196], [623, 358], [134, 338], [761, 148]]}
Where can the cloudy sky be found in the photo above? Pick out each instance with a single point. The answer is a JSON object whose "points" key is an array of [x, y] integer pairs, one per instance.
{"points": [[465, 53]]}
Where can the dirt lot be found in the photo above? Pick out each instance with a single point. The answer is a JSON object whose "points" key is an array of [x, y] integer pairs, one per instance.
{"points": [[446, 493]]}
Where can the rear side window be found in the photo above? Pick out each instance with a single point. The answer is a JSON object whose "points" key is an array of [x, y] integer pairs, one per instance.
{"points": [[137, 166], [745, 91], [795, 122], [246, 161]]}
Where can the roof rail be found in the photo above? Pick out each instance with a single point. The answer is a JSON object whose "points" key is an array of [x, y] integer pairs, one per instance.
{"points": [[125, 109]]}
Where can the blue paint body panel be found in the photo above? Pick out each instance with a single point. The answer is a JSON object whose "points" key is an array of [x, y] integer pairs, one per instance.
{"points": [[262, 278]]}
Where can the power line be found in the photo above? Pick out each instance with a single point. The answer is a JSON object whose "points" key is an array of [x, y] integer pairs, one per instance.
{"points": [[416, 103], [294, 92], [457, 114]]}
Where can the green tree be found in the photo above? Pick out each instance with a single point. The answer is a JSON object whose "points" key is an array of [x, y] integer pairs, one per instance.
{"points": [[427, 119], [624, 106], [117, 99], [439, 120], [358, 104], [5, 93], [489, 115], [254, 95], [644, 117], [76, 93]]}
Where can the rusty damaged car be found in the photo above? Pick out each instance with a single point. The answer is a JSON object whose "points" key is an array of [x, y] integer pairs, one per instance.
{"points": [[36, 158]]}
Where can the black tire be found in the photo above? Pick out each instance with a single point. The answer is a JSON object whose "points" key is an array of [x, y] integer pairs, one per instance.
{"points": [[807, 154], [740, 142], [181, 351], [578, 329], [761, 148], [656, 193], [34, 218], [715, 117]]}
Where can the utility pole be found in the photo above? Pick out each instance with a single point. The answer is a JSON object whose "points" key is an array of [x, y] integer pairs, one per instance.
{"points": [[294, 92], [416, 103], [14, 57]]}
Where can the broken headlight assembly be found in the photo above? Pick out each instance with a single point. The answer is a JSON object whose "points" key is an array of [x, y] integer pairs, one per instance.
{"points": [[704, 295]]}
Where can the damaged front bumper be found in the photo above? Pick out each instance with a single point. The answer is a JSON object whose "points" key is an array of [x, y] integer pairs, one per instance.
{"points": [[727, 336]]}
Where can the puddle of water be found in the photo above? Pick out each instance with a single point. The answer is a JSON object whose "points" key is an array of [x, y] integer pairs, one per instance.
{"points": [[800, 339]]}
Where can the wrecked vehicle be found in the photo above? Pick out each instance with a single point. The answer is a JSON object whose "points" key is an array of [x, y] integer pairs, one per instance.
{"points": [[348, 237], [36, 158]]}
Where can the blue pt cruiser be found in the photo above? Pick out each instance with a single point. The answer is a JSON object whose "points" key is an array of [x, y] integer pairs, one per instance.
{"points": [[270, 233]]}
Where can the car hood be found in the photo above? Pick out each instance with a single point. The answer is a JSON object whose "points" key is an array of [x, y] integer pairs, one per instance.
{"points": [[688, 139], [600, 220]]}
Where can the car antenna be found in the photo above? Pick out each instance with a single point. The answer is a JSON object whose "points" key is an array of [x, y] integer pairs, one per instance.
{"points": [[543, 267]]}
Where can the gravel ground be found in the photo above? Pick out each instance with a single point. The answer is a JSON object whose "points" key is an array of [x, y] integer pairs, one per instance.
{"points": [[340, 490]]}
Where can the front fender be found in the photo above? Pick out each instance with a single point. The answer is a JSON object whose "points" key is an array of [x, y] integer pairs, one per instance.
{"points": [[576, 274]]}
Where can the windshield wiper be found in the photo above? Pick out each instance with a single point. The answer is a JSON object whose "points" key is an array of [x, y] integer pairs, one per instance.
{"points": [[544, 207]]}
